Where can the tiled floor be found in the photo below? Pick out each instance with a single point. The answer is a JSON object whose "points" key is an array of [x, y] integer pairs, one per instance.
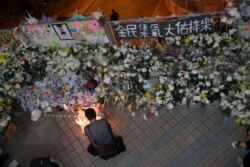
{"points": [[186, 136]]}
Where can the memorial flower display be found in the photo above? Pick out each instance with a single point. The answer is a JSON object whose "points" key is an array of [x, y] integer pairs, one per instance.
{"points": [[197, 69]]}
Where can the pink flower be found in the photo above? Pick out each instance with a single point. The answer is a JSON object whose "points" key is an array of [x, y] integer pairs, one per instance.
{"points": [[76, 24], [93, 25]]}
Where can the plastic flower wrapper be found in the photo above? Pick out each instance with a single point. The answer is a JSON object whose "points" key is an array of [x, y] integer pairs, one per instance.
{"points": [[154, 112], [97, 15], [234, 12]]}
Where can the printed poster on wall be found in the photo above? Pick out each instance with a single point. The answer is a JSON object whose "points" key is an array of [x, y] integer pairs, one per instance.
{"points": [[62, 33]]}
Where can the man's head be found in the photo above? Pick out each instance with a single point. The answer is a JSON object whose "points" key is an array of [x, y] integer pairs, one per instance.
{"points": [[90, 114], [113, 10]]}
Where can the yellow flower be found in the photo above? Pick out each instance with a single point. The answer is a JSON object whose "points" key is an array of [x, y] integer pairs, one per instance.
{"points": [[205, 63], [187, 40], [3, 58], [238, 121], [203, 95], [243, 70], [159, 47], [159, 86], [100, 72], [2, 103], [69, 50], [65, 49], [243, 85], [149, 96], [148, 106], [12, 86]]}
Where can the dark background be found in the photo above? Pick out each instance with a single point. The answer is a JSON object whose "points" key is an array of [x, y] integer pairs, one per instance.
{"points": [[12, 12]]}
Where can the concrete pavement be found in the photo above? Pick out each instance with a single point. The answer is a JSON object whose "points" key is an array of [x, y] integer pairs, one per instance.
{"points": [[187, 136]]}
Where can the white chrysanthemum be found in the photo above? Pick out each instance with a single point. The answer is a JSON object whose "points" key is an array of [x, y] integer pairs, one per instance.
{"points": [[126, 65], [128, 74], [229, 78], [181, 90], [186, 75], [200, 76], [222, 103], [241, 107], [221, 86], [144, 70], [115, 47], [140, 79], [107, 79], [75, 50], [177, 38], [237, 76], [158, 100], [159, 92], [196, 98], [223, 19], [171, 87], [216, 90], [230, 21], [216, 44], [232, 31], [206, 101], [170, 106], [62, 72], [194, 72], [162, 79], [184, 100], [235, 103], [133, 74], [111, 74], [63, 54], [105, 63], [146, 57], [208, 84], [105, 70], [12, 93], [222, 95], [18, 86], [89, 64], [7, 87]]}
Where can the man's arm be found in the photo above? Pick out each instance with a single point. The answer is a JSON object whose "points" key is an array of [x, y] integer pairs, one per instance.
{"points": [[110, 129]]}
